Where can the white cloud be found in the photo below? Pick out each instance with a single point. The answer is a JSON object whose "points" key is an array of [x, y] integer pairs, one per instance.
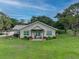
{"points": [[11, 2], [43, 6]]}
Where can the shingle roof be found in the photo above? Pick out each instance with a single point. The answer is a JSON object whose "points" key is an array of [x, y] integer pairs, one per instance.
{"points": [[40, 23], [18, 27]]}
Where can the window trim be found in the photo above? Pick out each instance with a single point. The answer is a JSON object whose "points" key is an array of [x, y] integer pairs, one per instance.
{"points": [[26, 33]]}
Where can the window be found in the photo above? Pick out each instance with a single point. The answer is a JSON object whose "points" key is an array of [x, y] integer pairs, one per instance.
{"points": [[26, 32], [49, 32]]}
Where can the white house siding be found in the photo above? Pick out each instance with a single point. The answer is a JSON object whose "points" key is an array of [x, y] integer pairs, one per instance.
{"points": [[22, 33], [32, 26]]}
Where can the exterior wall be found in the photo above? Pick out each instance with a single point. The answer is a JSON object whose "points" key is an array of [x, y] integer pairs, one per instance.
{"points": [[53, 33], [37, 26], [22, 33]]}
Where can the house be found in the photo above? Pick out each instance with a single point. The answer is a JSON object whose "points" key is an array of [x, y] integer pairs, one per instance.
{"points": [[17, 28], [35, 30]]}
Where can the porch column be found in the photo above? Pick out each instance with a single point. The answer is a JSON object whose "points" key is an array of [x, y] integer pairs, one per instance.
{"points": [[42, 34], [32, 34]]}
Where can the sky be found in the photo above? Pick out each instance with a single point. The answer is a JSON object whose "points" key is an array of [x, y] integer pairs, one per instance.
{"points": [[25, 9]]}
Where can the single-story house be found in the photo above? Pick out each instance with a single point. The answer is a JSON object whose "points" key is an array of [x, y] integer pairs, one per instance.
{"points": [[35, 30]]}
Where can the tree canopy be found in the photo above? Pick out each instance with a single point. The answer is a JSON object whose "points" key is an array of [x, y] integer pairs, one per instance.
{"points": [[70, 17], [6, 22]]}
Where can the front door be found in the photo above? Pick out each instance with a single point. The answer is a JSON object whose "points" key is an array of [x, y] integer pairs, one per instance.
{"points": [[38, 35]]}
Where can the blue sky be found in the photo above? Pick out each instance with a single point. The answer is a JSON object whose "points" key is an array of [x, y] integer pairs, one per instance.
{"points": [[25, 9]]}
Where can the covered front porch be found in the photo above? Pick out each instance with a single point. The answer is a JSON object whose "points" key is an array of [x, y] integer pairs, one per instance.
{"points": [[37, 34]]}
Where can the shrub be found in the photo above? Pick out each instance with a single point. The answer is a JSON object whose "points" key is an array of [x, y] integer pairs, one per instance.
{"points": [[45, 37], [11, 38], [26, 38], [16, 35], [60, 31], [50, 38]]}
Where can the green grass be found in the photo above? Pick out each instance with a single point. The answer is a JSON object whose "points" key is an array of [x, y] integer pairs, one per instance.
{"points": [[64, 47]]}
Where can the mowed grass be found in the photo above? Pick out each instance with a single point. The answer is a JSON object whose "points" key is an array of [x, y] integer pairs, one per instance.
{"points": [[64, 47]]}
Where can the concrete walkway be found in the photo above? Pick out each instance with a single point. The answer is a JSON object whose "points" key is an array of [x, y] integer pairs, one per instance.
{"points": [[38, 39]]}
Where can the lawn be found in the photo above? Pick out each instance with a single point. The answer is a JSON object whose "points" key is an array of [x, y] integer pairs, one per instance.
{"points": [[64, 47]]}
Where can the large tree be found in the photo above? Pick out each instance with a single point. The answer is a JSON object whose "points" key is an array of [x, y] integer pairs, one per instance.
{"points": [[6, 22], [70, 17], [59, 25]]}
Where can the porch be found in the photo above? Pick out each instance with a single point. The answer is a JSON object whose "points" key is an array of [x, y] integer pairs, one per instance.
{"points": [[37, 34]]}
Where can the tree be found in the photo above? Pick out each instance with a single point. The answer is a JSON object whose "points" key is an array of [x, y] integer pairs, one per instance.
{"points": [[5, 22], [63, 20], [59, 25], [14, 22], [70, 17]]}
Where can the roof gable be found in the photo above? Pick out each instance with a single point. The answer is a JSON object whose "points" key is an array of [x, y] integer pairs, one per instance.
{"points": [[38, 22]]}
